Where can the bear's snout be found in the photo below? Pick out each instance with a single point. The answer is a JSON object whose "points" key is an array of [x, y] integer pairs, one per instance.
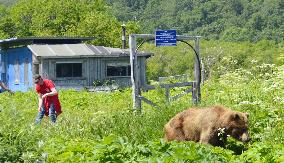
{"points": [[247, 140], [245, 137]]}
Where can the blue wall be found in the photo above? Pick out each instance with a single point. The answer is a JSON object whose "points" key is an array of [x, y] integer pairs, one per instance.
{"points": [[16, 61]]}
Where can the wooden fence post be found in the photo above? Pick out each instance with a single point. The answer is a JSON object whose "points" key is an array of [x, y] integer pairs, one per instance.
{"points": [[134, 74]]}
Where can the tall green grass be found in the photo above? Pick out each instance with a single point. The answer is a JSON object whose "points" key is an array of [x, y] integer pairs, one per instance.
{"points": [[101, 127]]}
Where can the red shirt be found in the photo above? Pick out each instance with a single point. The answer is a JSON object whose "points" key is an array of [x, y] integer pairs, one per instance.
{"points": [[46, 88]]}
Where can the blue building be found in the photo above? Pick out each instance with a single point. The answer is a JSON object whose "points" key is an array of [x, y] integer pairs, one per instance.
{"points": [[67, 61]]}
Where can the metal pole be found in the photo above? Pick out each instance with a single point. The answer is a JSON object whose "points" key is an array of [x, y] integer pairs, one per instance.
{"points": [[123, 36], [197, 70]]}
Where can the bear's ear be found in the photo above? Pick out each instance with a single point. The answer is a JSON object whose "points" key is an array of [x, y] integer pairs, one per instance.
{"points": [[235, 116], [247, 114]]}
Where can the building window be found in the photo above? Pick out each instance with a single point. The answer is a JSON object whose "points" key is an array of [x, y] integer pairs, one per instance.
{"points": [[68, 70], [118, 69]]}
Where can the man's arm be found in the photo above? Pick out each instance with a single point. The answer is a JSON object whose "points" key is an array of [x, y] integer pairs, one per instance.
{"points": [[40, 101], [52, 93]]}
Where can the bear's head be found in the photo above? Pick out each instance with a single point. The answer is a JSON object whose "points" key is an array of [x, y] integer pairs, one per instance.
{"points": [[237, 126]]}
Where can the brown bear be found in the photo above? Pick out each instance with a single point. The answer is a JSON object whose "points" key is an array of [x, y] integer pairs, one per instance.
{"points": [[209, 125]]}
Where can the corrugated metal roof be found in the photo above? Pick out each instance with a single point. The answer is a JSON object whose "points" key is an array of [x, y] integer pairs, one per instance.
{"points": [[78, 50], [11, 42]]}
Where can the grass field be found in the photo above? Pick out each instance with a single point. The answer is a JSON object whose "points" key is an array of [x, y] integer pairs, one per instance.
{"points": [[101, 127]]}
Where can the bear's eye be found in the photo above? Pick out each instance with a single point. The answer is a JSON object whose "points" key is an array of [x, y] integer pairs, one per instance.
{"points": [[238, 130]]}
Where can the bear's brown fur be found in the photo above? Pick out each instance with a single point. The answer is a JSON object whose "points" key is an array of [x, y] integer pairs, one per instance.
{"points": [[209, 125]]}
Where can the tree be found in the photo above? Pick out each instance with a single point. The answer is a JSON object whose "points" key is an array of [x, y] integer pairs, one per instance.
{"points": [[66, 18]]}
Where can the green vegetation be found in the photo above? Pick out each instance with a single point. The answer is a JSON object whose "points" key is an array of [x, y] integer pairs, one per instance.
{"points": [[242, 53], [218, 57], [231, 20], [68, 18], [102, 127]]}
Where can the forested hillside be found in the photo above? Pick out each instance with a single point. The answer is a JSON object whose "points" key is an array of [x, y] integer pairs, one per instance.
{"points": [[230, 20]]}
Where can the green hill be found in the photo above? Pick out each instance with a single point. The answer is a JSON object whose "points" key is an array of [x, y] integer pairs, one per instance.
{"points": [[232, 20]]}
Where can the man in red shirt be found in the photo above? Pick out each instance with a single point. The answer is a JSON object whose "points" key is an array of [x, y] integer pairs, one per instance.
{"points": [[48, 102]]}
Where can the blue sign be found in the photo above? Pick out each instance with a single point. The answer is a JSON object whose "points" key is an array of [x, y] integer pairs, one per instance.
{"points": [[166, 38]]}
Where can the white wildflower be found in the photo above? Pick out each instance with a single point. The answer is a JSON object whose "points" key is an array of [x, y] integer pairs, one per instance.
{"points": [[40, 143], [253, 61], [44, 155], [244, 102]]}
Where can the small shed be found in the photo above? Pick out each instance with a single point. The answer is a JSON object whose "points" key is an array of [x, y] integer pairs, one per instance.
{"points": [[69, 62]]}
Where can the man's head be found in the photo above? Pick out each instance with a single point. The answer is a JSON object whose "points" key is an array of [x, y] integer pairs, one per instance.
{"points": [[38, 79]]}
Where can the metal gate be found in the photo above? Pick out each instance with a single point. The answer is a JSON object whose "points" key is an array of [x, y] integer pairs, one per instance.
{"points": [[137, 87]]}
